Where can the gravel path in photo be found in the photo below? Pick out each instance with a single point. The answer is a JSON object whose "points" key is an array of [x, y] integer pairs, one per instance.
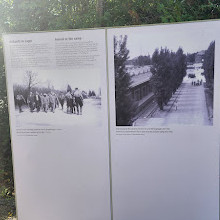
{"points": [[191, 109]]}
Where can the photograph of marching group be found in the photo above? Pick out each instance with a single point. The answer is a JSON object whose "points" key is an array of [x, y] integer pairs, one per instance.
{"points": [[48, 98], [164, 78], [51, 101]]}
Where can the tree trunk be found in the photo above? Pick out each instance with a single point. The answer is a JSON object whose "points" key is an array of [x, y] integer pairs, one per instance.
{"points": [[100, 8]]}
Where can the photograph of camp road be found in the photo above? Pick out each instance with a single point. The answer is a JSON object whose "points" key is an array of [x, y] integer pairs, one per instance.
{"points": [[163, 81], [58, 97]]}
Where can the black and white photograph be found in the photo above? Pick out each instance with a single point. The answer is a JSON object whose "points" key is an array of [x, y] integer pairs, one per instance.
{"points": [[57, 97], [164, 78]]}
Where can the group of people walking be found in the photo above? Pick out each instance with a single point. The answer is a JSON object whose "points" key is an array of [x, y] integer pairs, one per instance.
{"points": [[74, 101], [197, 82], [49, 102]]}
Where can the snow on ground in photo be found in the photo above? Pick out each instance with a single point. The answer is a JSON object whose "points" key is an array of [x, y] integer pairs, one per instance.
{"points": [[90, 116]]}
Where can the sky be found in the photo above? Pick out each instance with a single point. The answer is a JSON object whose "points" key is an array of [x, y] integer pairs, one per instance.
{"points": [[144, 40], [84, 79]]}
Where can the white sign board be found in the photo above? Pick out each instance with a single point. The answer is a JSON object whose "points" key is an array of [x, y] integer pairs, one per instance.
{"points": [[116, 123]]}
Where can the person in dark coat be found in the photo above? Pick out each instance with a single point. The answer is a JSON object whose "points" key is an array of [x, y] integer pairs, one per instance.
{"points": [[69, 102], [37, 101], [20, 101], [30, 101], [61, 99], [53, 101], [74, 102], [79, 100]]}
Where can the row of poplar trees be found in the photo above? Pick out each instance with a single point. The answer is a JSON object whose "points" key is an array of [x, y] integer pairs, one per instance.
{"points": [[168, 69], [208, 66]]}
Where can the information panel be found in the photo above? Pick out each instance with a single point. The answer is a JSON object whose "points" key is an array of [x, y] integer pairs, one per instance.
{"points": [[164, 140], [116, 123], [59, 124]]}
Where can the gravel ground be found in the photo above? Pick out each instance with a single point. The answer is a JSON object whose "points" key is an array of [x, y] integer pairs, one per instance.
{"points": [[7, 209]]}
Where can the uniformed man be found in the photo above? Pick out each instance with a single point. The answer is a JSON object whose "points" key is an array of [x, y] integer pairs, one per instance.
{"points": [[20, 101], [79, 100]]}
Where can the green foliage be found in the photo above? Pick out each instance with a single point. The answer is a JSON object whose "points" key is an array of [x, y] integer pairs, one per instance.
{"points": [[6, 169], [129, 12], [123, 102], [6, 174], [7, 203], [188, 10], [66, 14]]}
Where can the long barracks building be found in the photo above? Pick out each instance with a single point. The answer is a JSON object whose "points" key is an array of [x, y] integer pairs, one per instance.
{"points": [[140, 88]]}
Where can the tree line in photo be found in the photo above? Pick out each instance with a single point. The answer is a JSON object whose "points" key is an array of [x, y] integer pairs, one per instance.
{"points": [[208, 66], [168, 69]]}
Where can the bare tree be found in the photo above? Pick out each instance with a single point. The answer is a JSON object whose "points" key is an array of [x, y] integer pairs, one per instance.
{"points": [[30, 80]]}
